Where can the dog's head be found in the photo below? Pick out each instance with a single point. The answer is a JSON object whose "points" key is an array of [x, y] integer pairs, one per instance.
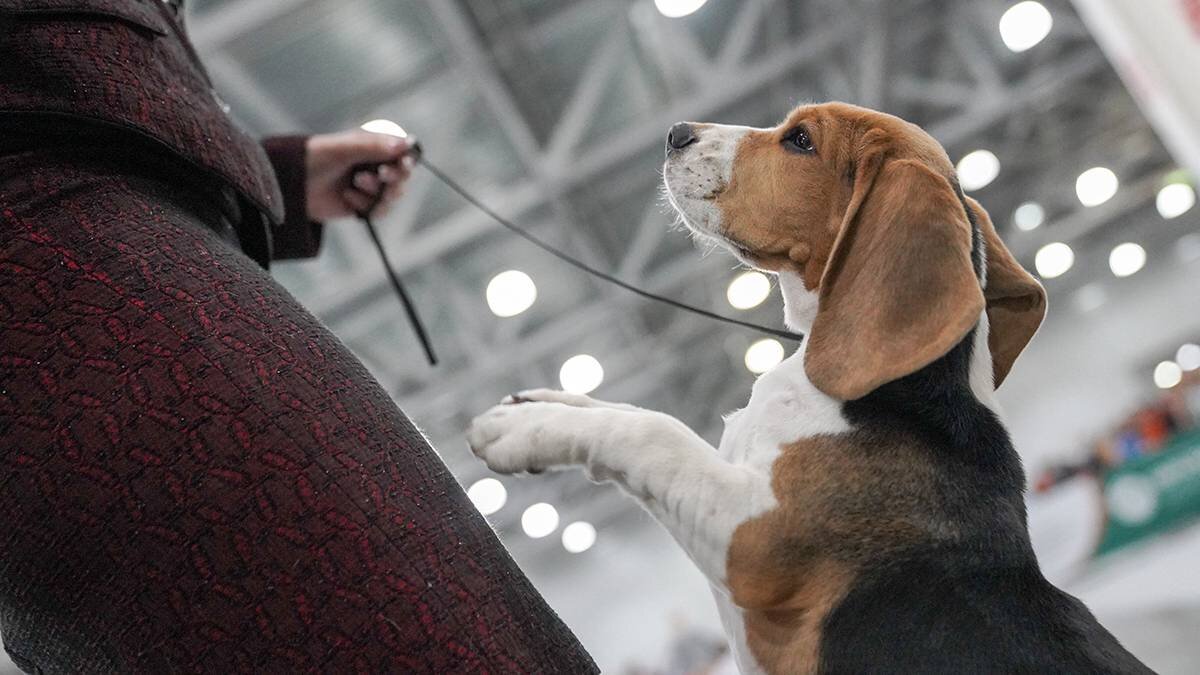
{"points": [[861, 212]]}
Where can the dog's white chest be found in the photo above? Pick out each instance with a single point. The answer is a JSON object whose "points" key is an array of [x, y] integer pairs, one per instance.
{"points": [[784, 407]]}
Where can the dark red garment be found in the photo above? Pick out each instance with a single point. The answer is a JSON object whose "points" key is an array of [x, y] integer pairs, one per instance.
{"points": [[296, 236], [127, 64], [196, 476], [126, 67]]}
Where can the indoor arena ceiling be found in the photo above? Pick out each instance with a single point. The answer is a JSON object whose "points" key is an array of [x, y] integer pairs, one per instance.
{"points": [[555, 112]]}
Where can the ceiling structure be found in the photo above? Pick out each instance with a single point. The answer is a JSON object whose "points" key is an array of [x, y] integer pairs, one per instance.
{"points": [[555, 112]]}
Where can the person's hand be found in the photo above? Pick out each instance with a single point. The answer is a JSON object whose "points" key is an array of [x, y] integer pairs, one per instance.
{"points": [[332, 191]]}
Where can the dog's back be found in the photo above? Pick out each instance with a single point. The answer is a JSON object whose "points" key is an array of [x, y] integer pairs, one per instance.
{"points": [[922, 616], [973, 601]]}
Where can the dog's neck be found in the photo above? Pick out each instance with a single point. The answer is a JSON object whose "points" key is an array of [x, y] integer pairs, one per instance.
{"points": [[799, 303], [800, 312]]}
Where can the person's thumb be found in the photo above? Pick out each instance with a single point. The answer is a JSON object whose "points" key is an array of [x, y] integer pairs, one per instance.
{"points": [[365, 146]]}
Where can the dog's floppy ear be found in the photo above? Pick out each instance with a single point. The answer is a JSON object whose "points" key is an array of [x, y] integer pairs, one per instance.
{"points": [[1016, 302], [899, 290]]}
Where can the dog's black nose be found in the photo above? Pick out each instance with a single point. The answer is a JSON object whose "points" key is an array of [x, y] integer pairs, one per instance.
{"points": [[680, 136]]}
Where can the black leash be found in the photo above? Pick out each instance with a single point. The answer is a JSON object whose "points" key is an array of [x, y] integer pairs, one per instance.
{"points": [[409, 307], [418, 156]]}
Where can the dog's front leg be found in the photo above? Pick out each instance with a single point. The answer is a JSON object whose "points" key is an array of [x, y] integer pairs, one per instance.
{"points": [[675, 474]]}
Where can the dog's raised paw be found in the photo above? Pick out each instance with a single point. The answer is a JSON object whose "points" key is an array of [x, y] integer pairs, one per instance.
{"points": [[514, 438]]}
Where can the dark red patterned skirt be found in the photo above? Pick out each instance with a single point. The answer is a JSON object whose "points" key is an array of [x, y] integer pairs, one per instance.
{"points": [[196, 476]]}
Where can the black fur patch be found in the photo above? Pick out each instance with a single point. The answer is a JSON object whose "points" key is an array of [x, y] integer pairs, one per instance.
{"points": [[932, 616], [977, 243], [977, 602]]}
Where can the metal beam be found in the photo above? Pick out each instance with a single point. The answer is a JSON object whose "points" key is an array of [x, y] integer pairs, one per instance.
{"points": [[719, 93], [468, 224], [470, 51], [1083, 221], [873, 57], [740, 37], [562, 331], [1043, 85], [229, 20], [941, 93], [585, 99]]}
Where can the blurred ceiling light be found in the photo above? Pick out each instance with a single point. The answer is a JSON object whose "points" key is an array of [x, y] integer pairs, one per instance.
{"points": [[1029, 216], [676, 8], [1053, 260], [385, 127], [1090, 298], [578, 537], [1175, 199], [1024, 25], [581, 374], [510, 293], [539, 520], [1188, 357], [764, 355], [488, 495], [1126, 259], [1167, 374], [748, 289], [1096, 186], [977, 170]]}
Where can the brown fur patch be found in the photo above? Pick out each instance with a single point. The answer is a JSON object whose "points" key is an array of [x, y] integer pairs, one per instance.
{"points": [[777, 199], [899, 289], [845, 503], [873, 205]]}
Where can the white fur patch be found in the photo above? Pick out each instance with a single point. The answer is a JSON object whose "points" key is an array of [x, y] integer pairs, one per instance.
{"points": [[784, 407], [980, 374], [695, 175], [799, 303]]}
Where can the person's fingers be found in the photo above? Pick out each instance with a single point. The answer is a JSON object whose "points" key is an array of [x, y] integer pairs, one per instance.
{"points": [[389, 173], [394, 180], [394, 191], [357, 201], [367, 182]]}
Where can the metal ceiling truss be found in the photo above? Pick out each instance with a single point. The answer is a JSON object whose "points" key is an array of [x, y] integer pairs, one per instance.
{"points": [[948, 72]]}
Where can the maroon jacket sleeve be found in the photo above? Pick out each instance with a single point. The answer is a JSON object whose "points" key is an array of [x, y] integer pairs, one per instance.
{"points": [[297, 236]]}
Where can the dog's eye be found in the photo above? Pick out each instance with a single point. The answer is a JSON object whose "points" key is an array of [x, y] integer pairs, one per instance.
{"points": [[798, 140]]}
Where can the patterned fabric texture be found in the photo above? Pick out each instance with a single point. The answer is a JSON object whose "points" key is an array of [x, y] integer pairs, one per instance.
{"points": [[127, 64], [196, 476]]}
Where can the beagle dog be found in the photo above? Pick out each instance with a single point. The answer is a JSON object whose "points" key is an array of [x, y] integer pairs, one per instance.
{"points": [[864, 512]]}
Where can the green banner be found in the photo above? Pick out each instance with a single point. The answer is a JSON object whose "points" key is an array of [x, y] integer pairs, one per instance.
{"points": [[1149, 495]]}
